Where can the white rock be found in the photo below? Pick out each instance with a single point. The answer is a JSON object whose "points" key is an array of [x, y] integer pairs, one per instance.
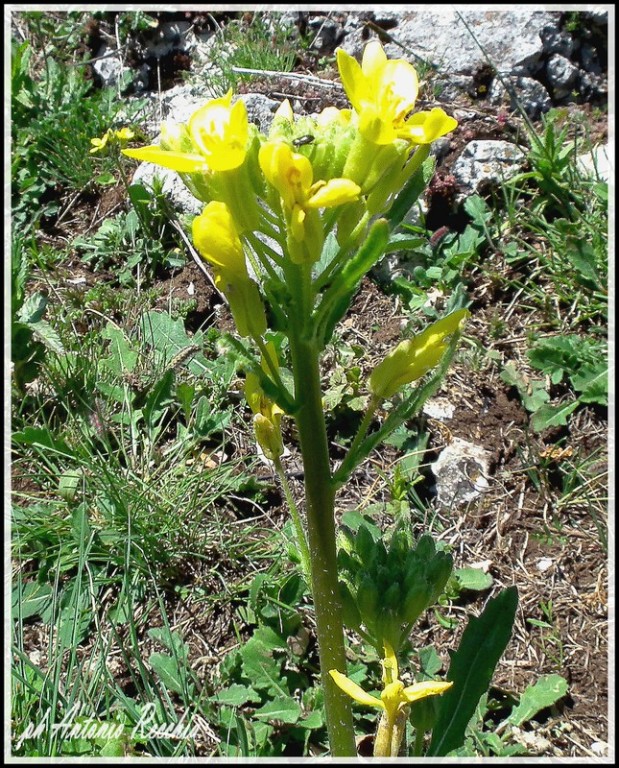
{"points": [[439, 36], [596, 163], [173, 187], [562, 75], [439, 408], [524, 91], [485, 163], [461, 470], [108, 66], [544, 564]]}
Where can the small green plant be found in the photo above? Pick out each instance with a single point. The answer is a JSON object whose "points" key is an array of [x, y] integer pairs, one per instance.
{"points": [[140, 242], [31, 335], [550, 641], [259, 44], [330, 208]]}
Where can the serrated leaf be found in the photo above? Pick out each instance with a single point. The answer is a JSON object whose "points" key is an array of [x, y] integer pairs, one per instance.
{"points": [[473, 579], [591, 381], [32, 309], [543, 693], [34, 599], [471, 669], [122, 359], [236, 695], [166, 667], [47, 336], [167, 336], [285, 710], [553, 415]]}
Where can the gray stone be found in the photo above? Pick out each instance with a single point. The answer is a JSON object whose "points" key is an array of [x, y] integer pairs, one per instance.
{"points": [[562, 75], [486, 163], [260, 109], [524, 91], [589, 59], [108, 66], [439, 37], [557, 41], [462, 471], [326, 34]]}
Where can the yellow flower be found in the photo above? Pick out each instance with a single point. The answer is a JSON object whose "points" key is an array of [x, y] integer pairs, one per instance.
{"points": [[220, 131], [383, 92], [394, 700], [98, 145], [218, 134], [217, 241], [267, 416], [124, 134], [292, 176], [216, 238], [412, 358]]}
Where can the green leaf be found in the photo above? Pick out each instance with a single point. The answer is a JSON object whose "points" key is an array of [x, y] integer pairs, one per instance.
{"points": [[106, 179], [473, 579], [404, 242], [285, 710], [32, 309], [337, 297], [168, 338], [553, 415], [411, 191], [47, 336], [543, 693], [236, 695], [167, 668], [591, 381], [122, 359], [471, 669], [41, 437], [159, 399], [185, 394], [32, 601], [69, 483]]}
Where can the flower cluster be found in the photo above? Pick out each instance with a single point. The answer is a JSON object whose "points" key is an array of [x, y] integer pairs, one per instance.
{"points": [[121, 136], [272, 201]]}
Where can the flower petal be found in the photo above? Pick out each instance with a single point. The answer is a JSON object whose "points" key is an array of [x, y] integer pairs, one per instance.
{"points": [[334, 192], [421, 690], [355, 691], [426, 127], [182, 162]]}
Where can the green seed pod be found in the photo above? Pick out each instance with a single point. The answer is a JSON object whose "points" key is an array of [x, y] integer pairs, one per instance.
{"points": [[423, 713], [438, 573], [368, 599], [425, 549], [350, 612], [391, 599], [415, 602]]}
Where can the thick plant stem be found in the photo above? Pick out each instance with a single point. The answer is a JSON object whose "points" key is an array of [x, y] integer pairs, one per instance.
{"points": [[320, 496]]}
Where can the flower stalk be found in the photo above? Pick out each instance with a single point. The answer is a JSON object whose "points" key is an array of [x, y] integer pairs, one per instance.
{"points": [[320, 508]]}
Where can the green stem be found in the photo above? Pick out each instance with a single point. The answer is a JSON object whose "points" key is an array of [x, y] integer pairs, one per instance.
{"points": [[304, 552], [320, 500]]}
